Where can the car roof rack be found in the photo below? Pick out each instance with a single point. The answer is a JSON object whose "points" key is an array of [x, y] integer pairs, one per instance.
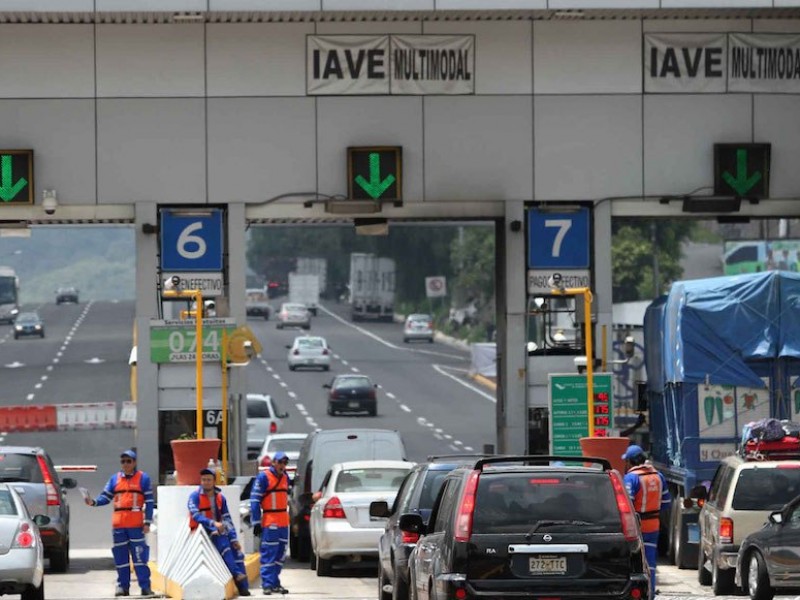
{"points": [[764, 450], [533, 460], [442, 457]]}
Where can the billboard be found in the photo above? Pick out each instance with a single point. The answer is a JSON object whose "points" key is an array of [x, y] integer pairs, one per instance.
{"points": [[754, 256]]}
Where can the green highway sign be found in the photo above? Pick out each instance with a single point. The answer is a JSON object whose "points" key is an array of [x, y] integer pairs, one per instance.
{"points": [[176, 341], [16, 176], [569, 411], [375, 173], [742, 170]]}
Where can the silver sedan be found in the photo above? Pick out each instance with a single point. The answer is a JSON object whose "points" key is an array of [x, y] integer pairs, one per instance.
{"points": [[21, 552], [309, 351], [341, 526]]}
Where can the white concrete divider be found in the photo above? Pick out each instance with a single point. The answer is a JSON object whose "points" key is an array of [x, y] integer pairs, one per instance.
{"points": [[86, 415], [127, 415]]}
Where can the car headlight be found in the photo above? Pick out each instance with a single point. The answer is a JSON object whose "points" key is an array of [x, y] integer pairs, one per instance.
{"points": [[14, 311], [18, 327], [38, 327]]}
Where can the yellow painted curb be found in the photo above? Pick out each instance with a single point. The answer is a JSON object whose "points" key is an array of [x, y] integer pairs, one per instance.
{"points": [[252, 564], [485, 381]]}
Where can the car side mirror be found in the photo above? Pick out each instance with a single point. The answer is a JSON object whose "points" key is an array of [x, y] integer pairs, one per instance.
{"points": [[283, 415], [288, 347], [375, 385], [379, 508], [327, 386], [776, 518], [69, 483], [412, 523], [41, 520]]}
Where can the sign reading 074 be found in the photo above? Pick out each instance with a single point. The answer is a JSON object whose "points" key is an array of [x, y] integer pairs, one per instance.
{"points": [[375, 173], [16, 176]]}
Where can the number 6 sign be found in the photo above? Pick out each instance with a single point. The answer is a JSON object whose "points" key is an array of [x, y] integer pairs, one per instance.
{"points": [[558, 239], [191, 241]]}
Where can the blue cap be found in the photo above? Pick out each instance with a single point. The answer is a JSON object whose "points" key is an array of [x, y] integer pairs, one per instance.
{"points": [[279, 455], [206, 472], [129, 454], [633, 450]]}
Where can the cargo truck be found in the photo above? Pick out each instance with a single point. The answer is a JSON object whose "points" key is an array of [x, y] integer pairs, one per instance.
{"points": [[372, 282], [314, 266], [720, 352], [304, 289]]}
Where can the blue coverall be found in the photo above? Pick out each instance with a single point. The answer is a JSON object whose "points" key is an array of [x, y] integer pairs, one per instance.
{"points": [[632, 484], [223, 542], [273, 537], [130, 541]]}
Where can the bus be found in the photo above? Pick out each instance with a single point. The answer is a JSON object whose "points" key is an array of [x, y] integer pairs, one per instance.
{"points": [[9, 294]]}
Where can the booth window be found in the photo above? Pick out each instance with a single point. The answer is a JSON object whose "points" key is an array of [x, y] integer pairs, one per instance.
{"points": [[555, 325]]}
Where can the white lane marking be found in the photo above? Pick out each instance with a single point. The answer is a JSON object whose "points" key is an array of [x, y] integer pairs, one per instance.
{"points": [[38, 386], [55, 360], [456, 448], [29, 397], [405, 408], [441, 370], [43, 378], [60, 353], [15, 365], [300, 407], [276, 376], [438, 436], [283, 384], [439, 430], [49, 367], [390, 395], [336, 356], [355, 370], [447, 436], [270, 369], [458, 442], [292, 394], [469, 448], [345, 363], [310, 421]]}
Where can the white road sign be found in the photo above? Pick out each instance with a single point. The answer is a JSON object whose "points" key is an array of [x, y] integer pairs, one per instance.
{"points": [[436, 287], [210, 284], [538, 279]]}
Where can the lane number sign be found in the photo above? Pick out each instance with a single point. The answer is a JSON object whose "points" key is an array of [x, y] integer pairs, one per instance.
{"points": [[558, 239], [191, 241]]}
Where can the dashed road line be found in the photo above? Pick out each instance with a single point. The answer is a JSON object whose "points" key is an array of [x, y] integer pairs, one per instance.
{"points": [[405, 408], [30, 397]]}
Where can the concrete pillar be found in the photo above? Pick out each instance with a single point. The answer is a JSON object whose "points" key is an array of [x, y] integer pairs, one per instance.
{"points": [[512, 413], [603, 304], [146, 308]]}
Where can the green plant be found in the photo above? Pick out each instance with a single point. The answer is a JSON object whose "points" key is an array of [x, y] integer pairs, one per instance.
{"points": [[187, 436]]}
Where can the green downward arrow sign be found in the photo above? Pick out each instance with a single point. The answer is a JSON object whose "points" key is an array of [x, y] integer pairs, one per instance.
{"points": [[8, 190], [741, 184], [375, 186]]}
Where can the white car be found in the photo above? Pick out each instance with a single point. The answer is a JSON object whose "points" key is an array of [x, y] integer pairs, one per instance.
{"points": [[293, 315], [418, 327], [264, 416], [309, 351], [290, 443], [341, 526]]}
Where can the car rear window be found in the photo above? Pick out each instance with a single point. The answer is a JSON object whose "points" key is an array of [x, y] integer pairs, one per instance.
{"points": [[510, 503], [20, 467], [765, 488], [352, 382], [286, 445], [370, 480], [7, 504], [309, 343], [257, 409]]}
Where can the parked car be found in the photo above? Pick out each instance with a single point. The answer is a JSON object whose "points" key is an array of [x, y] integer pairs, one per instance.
{"points": [[256, 303], [294, 315], [309, 351], [28, 324], [22, 556], [264, 416], [743, 493], [341, 524], [769, 559], [290, 443], [321, 450], [416, 495], [352, 393], [418, 327], [66, 294], [515, 526], [32, 472]]}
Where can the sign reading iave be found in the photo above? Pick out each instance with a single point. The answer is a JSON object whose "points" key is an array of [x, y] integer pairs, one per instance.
{"points": [[719, 63], [390, 64]]}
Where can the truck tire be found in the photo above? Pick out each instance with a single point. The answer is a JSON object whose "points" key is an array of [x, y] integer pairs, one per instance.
{"points": [[681, 551], [722, 580]]}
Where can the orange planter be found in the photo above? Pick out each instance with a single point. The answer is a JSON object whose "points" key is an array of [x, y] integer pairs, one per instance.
{"points": [[610, 448], [192, 456]]}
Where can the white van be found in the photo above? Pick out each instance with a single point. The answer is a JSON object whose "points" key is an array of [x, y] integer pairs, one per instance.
{"points": [[321, 450]]}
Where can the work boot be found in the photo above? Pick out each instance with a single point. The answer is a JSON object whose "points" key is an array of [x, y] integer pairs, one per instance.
{"points": [[279, 589], [147, 592], [244, 592], [266, 591], [121, 591]]}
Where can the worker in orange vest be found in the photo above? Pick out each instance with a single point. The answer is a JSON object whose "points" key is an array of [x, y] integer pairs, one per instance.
{"points": [[270, 517], [132, 497], [209, 509], [648, 491]]}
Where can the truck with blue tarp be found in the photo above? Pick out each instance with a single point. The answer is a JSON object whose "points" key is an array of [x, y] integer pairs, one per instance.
{"points": [[720, 352]]}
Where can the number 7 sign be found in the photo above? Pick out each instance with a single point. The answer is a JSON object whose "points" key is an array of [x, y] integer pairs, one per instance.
{"points": [[191, 241], [558, 239]]}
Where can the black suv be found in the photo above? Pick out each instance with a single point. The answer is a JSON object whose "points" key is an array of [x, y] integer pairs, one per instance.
{"points": [[544, 526], [66, 294], [416, 495]]}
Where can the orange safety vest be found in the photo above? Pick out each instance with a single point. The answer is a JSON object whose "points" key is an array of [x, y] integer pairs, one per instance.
{"points": [[647, 501], [274, 504], [205, 507], [128, 502]]}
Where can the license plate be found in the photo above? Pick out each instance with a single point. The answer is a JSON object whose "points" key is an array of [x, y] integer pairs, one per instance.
{"points": [[548, 565], [352, 404]]}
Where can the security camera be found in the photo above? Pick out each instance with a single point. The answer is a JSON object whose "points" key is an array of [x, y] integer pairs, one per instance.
{"points": [[49, 202], [555, 280], [172, 283]]}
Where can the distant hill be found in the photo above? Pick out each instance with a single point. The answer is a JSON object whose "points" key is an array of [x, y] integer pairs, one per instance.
{"points": [[99, 261]]}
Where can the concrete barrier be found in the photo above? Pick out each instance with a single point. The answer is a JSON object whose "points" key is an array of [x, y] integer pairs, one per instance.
{"points": [[86, 415]]}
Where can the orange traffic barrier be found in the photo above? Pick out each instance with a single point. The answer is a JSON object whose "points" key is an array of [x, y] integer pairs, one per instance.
{"points": [[28, 418]]}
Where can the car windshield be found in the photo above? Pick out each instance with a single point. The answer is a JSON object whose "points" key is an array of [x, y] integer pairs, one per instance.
{"points": [[27, 318], [370, 480], [310, 343], [514, 502], [766, 488], [294, 307], [257, 409], [7, 504], [285, 445], [20, 467], [256, 296], [352, 382]]}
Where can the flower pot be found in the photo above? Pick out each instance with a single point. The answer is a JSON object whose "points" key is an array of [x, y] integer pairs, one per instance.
{"points": [[610, 448], [191, 456]]}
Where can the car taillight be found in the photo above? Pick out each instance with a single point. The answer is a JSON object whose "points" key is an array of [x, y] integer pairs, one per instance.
{"points": [[325, 352], [333, 509], [460, 594], [334, 394], [466, 508], [25, 538], [53, 498], [273, 427], [371, 394], [296, 352], [725, 531], [409, 537], [636, 593], [630, 528]]}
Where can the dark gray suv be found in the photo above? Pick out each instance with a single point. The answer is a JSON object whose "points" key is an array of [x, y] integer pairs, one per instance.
{"points": [[33, 474]]}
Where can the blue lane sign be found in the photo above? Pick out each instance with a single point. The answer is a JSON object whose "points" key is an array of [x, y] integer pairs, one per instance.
{"points": [[191, 241], [558, 239]]}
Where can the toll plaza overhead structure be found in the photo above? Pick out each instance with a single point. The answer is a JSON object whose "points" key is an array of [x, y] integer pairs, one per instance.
{"points": [[248, 107]]}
